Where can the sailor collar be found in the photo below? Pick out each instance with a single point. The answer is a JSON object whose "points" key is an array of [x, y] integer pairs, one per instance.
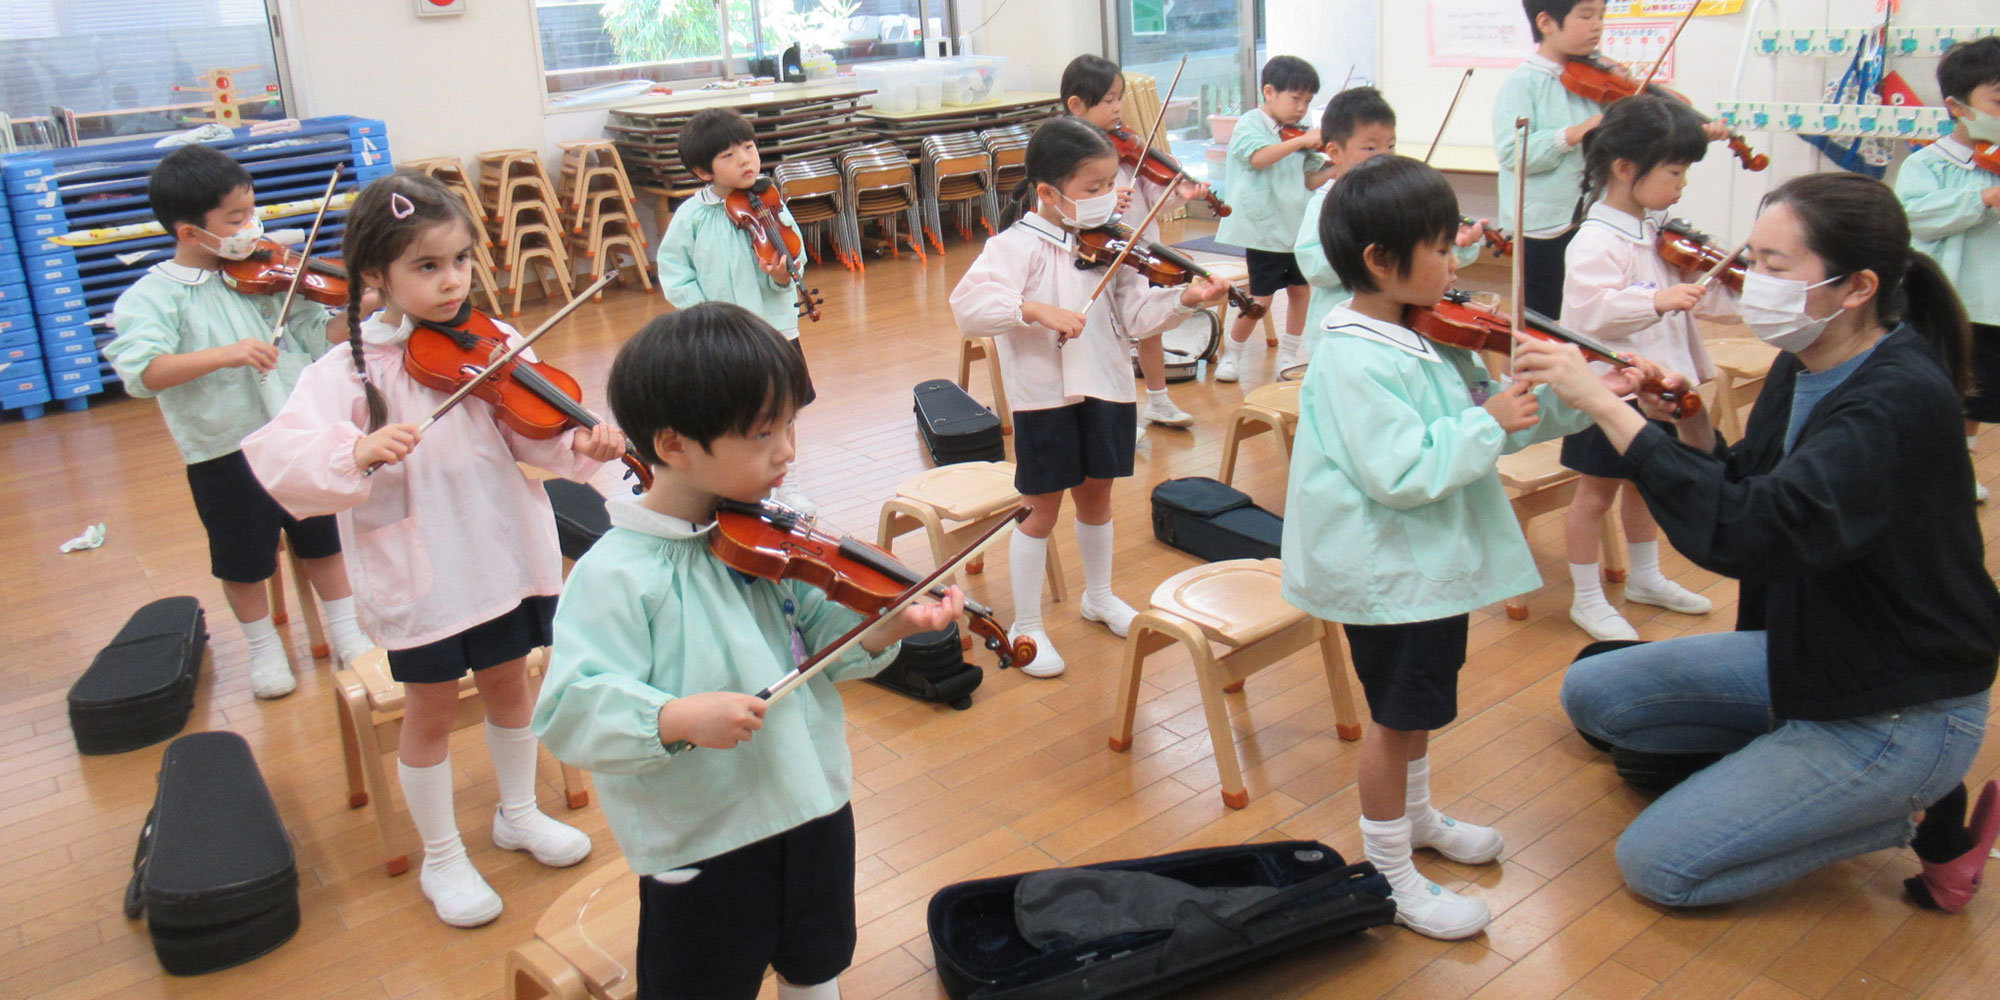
{"points": [[1543, 64], [1346, 321], [1955, 151], [1047, 230], [1635, 229], [630, 515], [185, 274]]}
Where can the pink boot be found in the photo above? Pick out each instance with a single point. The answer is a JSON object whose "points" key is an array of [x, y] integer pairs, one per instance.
{"points": [[1948, 886]]}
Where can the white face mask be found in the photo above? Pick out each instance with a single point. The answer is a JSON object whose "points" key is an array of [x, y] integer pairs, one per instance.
{"points": [[1979, 126], [239, 244], [1092, 212], [1775, 310]]}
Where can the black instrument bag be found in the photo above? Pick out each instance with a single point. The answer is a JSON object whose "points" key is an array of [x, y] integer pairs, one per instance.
{"points": [[954, 426], [931, 666], [214, 874], [581, 518], [1213, 520], [140, 688], [1009, 938]]}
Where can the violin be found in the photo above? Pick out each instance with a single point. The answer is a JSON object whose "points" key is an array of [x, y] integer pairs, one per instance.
{"points": [[1153, 165], [1593, 78], [1457, 322], [1162, 265], [755, 211], [1684, 247], [273, 267], [1986, 155], [775, 543], [1496, 240], [534, 399]]}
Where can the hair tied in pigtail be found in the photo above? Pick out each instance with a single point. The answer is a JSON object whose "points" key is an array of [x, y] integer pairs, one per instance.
{"points": [[401, 207]]}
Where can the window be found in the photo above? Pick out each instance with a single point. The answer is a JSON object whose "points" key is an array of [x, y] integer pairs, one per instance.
{"points": [[602, 43], [114, 64]]}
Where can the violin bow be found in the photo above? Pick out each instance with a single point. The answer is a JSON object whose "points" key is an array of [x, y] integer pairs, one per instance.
{"points": [[1668, 50], [811, 668], [501, 362], [1517, 281], [1158, 120], [1722, 265], [1446, 120], [305, 255]]}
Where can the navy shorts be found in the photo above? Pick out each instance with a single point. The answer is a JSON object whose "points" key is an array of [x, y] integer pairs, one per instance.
{"points": [[1542, 269], [1059, 448], [785, 902], [1272, 271], [488, 644], [1409, 672], [243, 522]]}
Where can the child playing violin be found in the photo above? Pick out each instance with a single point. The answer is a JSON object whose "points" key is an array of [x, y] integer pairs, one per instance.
{"points": [[1395, 457], [207, 354], [456, 562], [1066, 361], [745, 851], [1093, 89], [1954, 208], [1616, 288], [1357, 125], [1269, 180], [704, 257]]}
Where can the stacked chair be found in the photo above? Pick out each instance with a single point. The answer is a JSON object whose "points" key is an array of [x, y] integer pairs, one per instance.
{"points": [[1008, 148], [814, 193], [602, 212], [956, 169], [877, 182], [447, 170], [524, 222]]}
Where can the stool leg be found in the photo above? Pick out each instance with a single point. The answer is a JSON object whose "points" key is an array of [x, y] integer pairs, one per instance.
{"points": [[279, 614], [576, 788], [1612, 539], [1346, 724], [1230, 443], [350, 747], [1517, 609], [1057, 588], [1270, 325], [315, 632], [999, 389], [1221, 738], [1142, 641], [536, 972]]}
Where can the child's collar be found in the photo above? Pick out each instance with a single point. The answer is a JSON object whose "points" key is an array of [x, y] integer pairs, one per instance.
{"points": [[707, 195], [1957, 152], [1637, 229], [186, 274], [1541, 63], [374, 330], [1058, 235], [632, 516], [1346, 321]]}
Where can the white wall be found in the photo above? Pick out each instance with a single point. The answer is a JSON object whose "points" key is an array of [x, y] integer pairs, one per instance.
{"points": [[1721, 196], [1038, 37]]}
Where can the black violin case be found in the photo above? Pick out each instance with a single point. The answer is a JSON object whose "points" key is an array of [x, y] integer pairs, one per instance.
{"points": [[139, 689], [931, 666], [955, 427], [214, 874], [581, 518], [1308, 894], [1646, 770], [1214, 520]]}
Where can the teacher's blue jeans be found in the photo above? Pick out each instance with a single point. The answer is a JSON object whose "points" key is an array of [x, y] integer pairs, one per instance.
{"points": [[1791, 796]]}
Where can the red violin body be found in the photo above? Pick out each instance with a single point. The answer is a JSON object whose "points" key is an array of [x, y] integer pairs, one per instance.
{"points": [[1595, 79], [1162, 265], [272, 268], [771, 542], [1986, 156], [755, 211], [1684, 247], [1153, 165], [532, 398]]}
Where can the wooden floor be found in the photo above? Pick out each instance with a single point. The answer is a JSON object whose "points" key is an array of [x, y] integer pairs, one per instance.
{"points": [[1023, 780]]}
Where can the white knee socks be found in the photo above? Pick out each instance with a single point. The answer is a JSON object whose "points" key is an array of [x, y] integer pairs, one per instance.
{"points": [[428, 792], [829, 990], [1094, 541], [1587, 584], [1387, 846], [342, 630], [1027, 566], [262, 638], [514, 756], [1417, 795], [1645, 558]]}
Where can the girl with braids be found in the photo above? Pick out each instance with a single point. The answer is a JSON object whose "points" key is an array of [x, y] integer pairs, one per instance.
{"points": [[1855, 690], [1067, 365], [455, 562], [1617, 289]]}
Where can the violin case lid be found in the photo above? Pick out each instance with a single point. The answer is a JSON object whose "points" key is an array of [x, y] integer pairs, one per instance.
{"points": [[139, 689]]}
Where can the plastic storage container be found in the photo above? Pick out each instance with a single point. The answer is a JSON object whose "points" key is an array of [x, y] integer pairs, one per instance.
{"points": [[972, 79], [904, 86]]}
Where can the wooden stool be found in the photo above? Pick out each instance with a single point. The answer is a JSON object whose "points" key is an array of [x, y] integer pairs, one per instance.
{"points": [[972, 349], [370, 708], [557, 268], [315, 635], [1239, 274], [1537, 483], [586, 944], [1741, 362], [1273, 406], [1233, 621], [969, 495]]}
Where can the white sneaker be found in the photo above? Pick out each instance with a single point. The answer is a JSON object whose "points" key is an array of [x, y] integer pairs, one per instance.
{"points": [[1437, 912], [1165, 413], [1225, 370], [1047, 662], [1978, 491], [1116, 615], [1664, 593], [345, 652], [551, 841], [790, 496], [272, 677], [1603, 622], [1465, 843], [459, 895]]}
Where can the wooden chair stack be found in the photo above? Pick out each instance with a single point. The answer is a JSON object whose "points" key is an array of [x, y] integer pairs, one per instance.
{"points": [[447, 170], [956, 170], [879, 183], [812, 190], [602, 212], [524, 222]]}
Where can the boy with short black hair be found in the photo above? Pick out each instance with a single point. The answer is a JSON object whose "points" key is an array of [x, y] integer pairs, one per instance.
{"points": [[206, 353], [1269, 179], [745, 850], [1954, 210], [704, 257]]}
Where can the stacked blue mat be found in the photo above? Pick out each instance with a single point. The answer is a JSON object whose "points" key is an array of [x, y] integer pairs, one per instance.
{"points": [[69, 291], [24, 383]]}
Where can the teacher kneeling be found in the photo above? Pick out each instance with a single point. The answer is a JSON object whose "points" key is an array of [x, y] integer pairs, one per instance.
{"points": [[1855, 692]]}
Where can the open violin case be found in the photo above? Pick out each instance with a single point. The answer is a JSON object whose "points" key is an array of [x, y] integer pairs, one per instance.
{"points": [[139, 689], [214, 875], [1147, 927]]}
